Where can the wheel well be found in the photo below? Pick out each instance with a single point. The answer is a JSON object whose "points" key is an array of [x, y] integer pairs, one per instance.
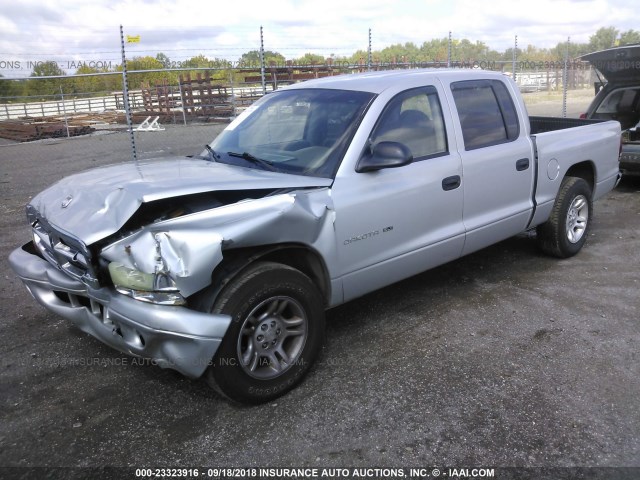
{"points": [[299, 257], [584, 170]]}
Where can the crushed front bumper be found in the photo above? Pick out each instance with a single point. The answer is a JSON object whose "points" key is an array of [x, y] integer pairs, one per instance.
{"points": [[174, 337]]}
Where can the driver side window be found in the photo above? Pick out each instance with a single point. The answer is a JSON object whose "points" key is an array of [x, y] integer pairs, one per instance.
{"points": [[414, 119]]}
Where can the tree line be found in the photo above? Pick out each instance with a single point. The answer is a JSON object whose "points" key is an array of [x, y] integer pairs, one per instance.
{"points": [[224, 71]]}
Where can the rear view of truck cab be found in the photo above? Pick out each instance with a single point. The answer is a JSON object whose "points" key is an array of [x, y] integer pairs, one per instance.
{"points": [[618, 98]]}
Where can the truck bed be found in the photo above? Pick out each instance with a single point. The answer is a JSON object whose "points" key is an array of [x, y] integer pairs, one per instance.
{"points": [[563, 143], [550, 124]]}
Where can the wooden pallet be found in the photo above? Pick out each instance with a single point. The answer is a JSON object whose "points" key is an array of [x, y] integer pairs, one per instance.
{"points": [[204, 98]]}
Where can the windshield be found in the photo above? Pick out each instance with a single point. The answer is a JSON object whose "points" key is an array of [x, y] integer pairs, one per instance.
{"points": [[298, 131]]}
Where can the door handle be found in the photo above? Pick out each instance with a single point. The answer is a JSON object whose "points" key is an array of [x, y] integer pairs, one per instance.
{"points": [[451, 183], [522, 164]]}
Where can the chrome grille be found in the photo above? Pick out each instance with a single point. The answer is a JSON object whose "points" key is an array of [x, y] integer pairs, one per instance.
{"points": [[63, 254]]}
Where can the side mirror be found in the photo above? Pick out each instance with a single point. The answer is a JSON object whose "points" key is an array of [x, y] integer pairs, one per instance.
{"points": [[385, 155]]}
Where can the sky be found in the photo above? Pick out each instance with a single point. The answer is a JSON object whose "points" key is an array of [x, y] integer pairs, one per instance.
{"points": [[71, 31]]}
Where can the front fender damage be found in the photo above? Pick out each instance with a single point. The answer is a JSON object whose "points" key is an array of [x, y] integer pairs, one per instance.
{"points": [[188, 248]]}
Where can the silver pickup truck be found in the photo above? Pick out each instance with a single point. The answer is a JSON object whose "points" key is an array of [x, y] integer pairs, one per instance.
{"points": [[223, 264]]}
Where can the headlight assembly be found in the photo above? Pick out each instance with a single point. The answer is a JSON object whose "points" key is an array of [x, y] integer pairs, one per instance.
{"points": [[156, 288]]}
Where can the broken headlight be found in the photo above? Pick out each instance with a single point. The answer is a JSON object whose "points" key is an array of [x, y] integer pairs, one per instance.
{"points": [[156, 288]]}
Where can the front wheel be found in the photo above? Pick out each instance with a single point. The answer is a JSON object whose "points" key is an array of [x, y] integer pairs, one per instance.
{"points": [[564, 234], [276, 333]]}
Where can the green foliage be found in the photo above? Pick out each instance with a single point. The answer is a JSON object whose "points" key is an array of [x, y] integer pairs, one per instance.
{"points": [[464, 50], [164, 60], [47, 86], [436, 49], [397, 53], [252, 58], [81, 85], [559, 52], [629, 37], [137, 80], [358, 57], [604, 38], [198, 61], [47, 69], [11, 88], [310, 59]]}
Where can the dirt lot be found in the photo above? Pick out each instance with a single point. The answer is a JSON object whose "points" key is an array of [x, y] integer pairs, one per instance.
{"points": [[503, 358]]}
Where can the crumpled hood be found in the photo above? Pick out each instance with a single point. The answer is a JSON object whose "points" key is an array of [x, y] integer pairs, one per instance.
{"points": [[94, 204]]}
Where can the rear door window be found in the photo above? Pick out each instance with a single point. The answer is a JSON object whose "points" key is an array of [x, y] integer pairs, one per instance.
{"points": [[486, 111]]}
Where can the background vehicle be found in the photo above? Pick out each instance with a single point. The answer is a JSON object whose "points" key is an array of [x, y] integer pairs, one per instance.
{"points": [[618, 98], [319, 193]]}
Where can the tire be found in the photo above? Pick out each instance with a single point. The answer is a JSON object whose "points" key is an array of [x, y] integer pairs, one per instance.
{"points": [[275, 335], [564, 234]]}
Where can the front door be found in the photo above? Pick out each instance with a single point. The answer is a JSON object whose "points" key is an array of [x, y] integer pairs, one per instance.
{"points": [[396, 222]]}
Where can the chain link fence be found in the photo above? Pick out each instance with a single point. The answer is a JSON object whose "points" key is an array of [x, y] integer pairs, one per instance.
{"points": [[144, 111]]}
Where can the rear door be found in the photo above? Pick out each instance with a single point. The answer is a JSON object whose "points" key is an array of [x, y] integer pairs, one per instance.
{"points": [[497, 162]]}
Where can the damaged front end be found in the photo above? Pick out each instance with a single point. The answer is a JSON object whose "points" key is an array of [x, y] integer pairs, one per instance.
{"points": [[181, 253], [173, 336], [130, 286]]}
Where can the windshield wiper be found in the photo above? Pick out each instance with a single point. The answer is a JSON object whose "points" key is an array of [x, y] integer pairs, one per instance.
{"points": [[213, 156], [253, 159]]}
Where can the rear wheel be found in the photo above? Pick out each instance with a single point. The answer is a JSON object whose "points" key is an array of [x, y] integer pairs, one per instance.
{"points": [[564, 234], [276, 333]]}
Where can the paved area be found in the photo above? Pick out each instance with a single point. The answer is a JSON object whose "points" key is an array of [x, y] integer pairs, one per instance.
{"points": [[502, 358]]}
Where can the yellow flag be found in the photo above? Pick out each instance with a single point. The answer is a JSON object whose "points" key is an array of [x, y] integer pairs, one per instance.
{"points": [[133, 38]]}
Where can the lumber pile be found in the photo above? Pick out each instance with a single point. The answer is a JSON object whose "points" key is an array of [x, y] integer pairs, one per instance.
{"points": [[25, 130]]}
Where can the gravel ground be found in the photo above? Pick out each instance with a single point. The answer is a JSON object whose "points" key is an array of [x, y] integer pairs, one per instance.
{"points": [[503, 358]]}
